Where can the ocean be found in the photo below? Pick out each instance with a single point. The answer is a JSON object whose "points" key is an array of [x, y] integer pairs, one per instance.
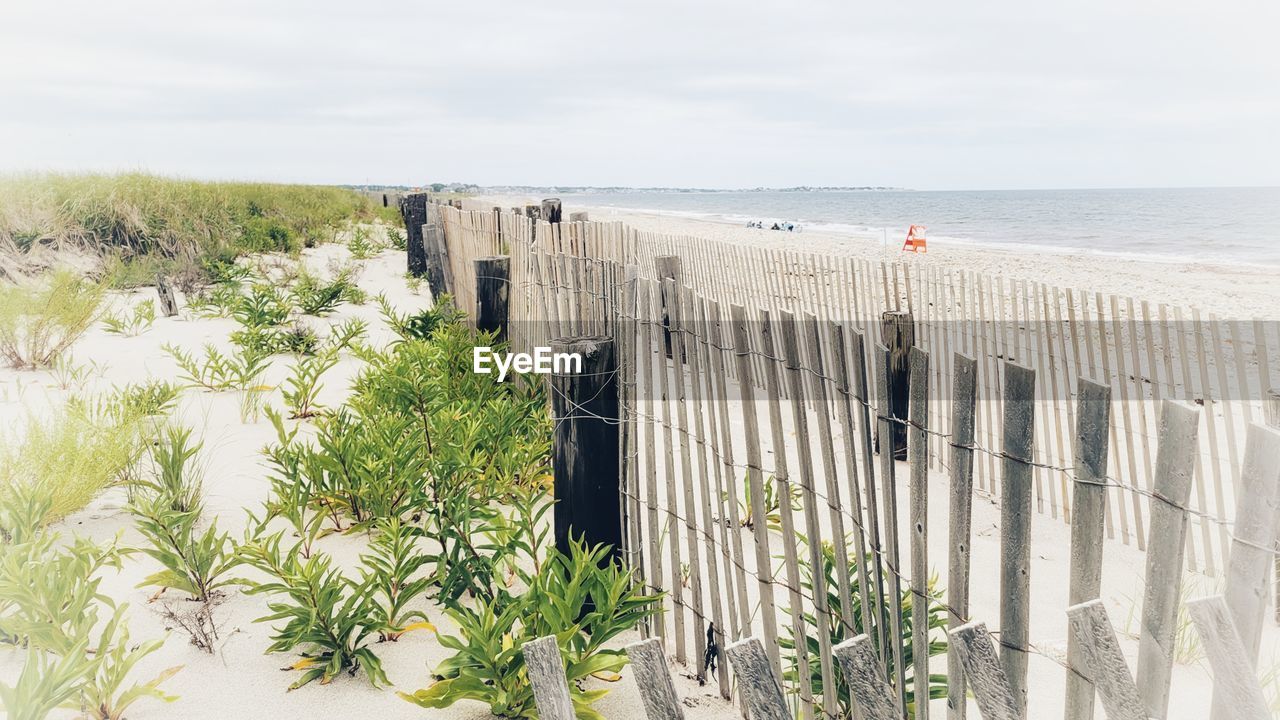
{"points": [[1222, 225]]}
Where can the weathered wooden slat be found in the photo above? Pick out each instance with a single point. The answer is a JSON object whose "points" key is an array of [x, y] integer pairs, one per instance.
{"points": [[764, 693], [1235, 683], [546, 674], [963, 402], [845, 402], [1015, 527], [1175, 464], [983, 670], [755, 482], [1100, 658], [782, 486], [918, 456], [863, 673], [1253, 539], [1087, 530], [796, 377], [893, 566], [653, 678], [826, 443]]}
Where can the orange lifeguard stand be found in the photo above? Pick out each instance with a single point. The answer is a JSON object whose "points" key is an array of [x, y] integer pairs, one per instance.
{"points": [[916, 240]]}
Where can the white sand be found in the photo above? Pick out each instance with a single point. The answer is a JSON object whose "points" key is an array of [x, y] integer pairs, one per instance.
{"points": [[240, 680], [1230, 292]]}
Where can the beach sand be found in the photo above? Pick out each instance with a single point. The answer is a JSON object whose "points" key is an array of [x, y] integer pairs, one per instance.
{"points": [[240, 680], [1241, 292]]}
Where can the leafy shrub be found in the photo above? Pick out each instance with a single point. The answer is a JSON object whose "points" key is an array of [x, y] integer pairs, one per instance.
{"points": [[396, 238], [262, 234], [40, 319], [392, 573], [294, 495], [361, 245], [132, 322], [168, 508], [218, 372], [218, 301], [49, 593], [303, 385], [315, 296], [582, 599], [328, 619], [421, 325], [263, 306], [937, 683], [344, 335], [47, 682], [264, 341], [177, 478], [106, 694], [194, 562]]}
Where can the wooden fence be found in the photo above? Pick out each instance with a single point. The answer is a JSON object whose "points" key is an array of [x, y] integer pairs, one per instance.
{"points": [[761, 495]]}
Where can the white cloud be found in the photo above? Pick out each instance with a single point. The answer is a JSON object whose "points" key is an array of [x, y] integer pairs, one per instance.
{"points": [[929, 94]]}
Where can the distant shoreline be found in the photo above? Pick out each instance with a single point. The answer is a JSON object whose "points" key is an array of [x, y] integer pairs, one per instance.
{"points": [[1230, 291]]}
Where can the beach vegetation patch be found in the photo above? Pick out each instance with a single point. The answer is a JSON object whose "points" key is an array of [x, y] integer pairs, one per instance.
{"points": [[40, 318]]}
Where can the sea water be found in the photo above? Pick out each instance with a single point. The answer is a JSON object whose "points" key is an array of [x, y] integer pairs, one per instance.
{"points": [[1219, 225]]}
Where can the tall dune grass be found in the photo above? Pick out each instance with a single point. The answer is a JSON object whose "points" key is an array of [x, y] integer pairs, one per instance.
{"points": [[67, 458], [137, 216]]}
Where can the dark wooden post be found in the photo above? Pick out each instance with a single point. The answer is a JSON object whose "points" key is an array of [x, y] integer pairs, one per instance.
{"points": [[413, 209], [435, 254], [493, 280], [168, 305], [385, 202], [551, 210], [897, 330], [667, 268], [585, 457], [580, 216], [497, 224], [533, 211], [456, 202]]}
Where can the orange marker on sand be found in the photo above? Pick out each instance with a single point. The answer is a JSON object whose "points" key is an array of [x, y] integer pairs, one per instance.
{"points": [[916, 240]]}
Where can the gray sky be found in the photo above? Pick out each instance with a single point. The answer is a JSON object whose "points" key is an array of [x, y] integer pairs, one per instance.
{"points": [[937, 95]]}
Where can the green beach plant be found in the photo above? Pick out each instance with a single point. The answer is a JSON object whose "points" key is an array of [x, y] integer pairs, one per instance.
{"points": [[71, 455], [41, 318], [107, 693], [392, 571], [50, 592], [132, 322], [344, 335], [327, 619], [46, 682], [218, 372], [584, 599], [362, 245], [936, 683], [303, 385]]}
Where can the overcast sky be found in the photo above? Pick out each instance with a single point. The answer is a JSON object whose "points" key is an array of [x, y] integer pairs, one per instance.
{"points": [[937, 95]]}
